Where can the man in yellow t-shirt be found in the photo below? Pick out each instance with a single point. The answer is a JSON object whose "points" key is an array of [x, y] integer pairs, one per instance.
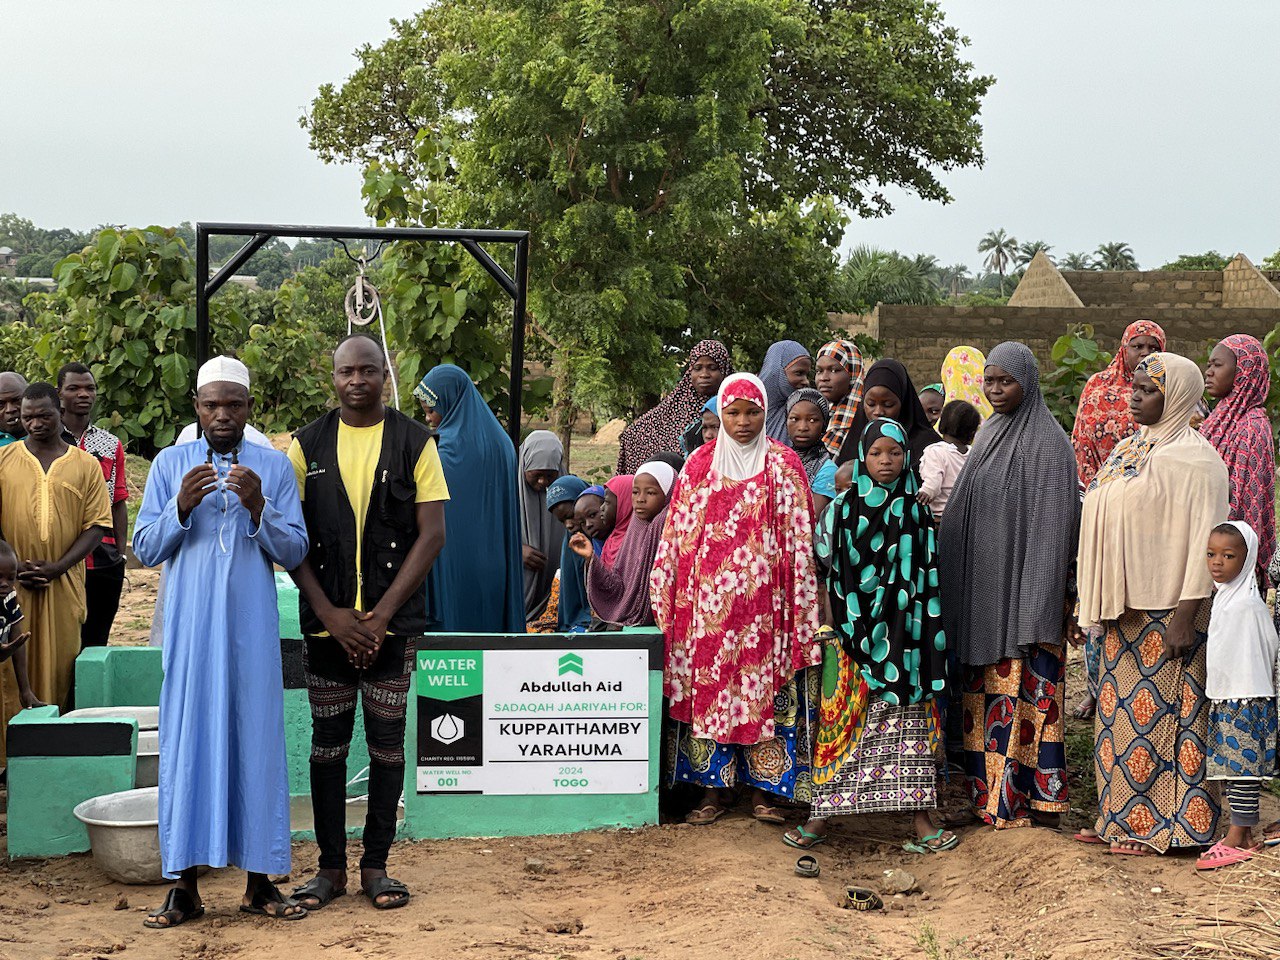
{"points": [[373, 497]]}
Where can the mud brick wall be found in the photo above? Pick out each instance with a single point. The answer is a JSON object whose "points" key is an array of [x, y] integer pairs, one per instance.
{"points": [[921, 336], [1154, 289]]}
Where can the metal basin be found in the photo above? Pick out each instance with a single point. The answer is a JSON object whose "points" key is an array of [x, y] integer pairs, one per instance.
{"points": [[148, 717], [146, 771], [124, 834]]}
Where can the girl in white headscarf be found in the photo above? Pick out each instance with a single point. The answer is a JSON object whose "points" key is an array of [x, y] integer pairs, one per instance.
{"points": [[1241, 688]]}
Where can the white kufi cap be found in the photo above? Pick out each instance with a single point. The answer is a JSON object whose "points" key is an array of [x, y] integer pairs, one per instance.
{"points": [[223, 370]]}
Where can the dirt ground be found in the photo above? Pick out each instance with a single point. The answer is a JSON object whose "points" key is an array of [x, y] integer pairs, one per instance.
{"points": [[660, 893]]}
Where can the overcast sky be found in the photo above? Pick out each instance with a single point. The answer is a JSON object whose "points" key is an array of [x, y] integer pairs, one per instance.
{"points": [[1147, 122]]}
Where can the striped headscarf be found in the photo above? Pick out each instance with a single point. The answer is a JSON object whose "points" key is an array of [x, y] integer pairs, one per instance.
{"points": [[847, 354]]}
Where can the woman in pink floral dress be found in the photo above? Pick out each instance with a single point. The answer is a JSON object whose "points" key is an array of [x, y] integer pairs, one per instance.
{"points": [[735, 595]]}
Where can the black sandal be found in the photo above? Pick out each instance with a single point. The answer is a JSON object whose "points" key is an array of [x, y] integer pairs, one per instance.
{"points": [[321, 890], [381, 886], [179, 907], [267, 894]]}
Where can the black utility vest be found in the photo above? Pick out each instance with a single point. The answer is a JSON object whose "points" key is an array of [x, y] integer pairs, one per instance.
{"points": [[390, 526]]}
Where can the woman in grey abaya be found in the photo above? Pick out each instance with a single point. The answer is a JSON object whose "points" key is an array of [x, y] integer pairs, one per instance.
{"points": [[541, 463], [1006, 550]]}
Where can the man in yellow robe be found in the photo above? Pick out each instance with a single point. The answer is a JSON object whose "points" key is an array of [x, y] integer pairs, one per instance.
{"points": [[54, 509]]}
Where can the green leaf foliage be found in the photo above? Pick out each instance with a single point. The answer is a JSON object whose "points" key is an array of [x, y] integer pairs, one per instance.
{"points": [[1076, 356], [682, 166]]}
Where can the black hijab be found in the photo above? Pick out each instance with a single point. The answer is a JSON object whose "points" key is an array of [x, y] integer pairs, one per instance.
{"points": [[892, 374]]}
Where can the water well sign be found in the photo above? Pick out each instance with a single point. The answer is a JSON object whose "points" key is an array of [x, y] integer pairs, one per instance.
{"points": [[571, 719]]}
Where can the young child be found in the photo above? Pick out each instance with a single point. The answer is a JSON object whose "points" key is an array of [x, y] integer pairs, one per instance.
{"points": [[879, 734], [615, 515], [619, 589], [702, 430], [587, 514], [1241, 655], [808, 414], [932, 398], [13, 645], [568, 610], [941, 463]]}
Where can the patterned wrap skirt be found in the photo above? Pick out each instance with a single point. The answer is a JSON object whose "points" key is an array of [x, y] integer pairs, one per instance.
{"points": [[1014, 752], [780, 765], [893, 766], [1242, 739], [1151, 736]]}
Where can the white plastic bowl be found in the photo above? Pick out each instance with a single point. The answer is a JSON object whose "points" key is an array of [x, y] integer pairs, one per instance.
{"points": [[124, 834]]}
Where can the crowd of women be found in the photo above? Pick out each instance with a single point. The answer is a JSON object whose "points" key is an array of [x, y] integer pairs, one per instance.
{"points": [[863, 586]]}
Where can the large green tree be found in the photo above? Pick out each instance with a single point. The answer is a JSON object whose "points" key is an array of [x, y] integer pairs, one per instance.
{"points": [[655, 146], [1210, 260], [872, 276]]}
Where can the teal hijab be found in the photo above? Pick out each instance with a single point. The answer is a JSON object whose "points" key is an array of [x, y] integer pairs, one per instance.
{"points": [[883, 580], [476, 584]]}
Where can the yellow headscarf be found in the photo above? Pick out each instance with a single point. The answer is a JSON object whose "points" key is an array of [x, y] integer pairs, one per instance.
{"points": [[962, 378]]}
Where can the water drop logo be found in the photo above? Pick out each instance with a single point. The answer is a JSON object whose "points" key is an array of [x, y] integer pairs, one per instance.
{"points": [[447, 728]]}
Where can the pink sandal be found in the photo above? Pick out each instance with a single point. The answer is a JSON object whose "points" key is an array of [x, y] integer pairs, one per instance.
{"points": [[1220, 855]]}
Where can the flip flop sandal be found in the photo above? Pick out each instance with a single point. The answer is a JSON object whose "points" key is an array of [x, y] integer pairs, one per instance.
{"points": [[268, 893], [384, 885], [860, 898], [179, 907], [1220, 855], [807, 867], [815, 839], [925, 844], [1092, 838], [1271, 841], [767, 814], [697, 819], [1143, 851], [320, 889]]}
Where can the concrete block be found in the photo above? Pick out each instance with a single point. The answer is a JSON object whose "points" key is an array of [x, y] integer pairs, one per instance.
{"points": [[56, 763], [119, 677]]}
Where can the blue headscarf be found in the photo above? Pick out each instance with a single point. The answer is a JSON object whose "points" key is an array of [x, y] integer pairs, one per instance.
{"points": [[773, 374], [595, 490], [574, 615], [477, 583], [691, 439]]}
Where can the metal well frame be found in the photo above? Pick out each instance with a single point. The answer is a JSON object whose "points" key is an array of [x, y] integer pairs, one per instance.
{"points": [[259, 234]]}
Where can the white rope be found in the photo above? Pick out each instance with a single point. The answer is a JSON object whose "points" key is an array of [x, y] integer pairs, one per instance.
{"points": [[363, 306]]}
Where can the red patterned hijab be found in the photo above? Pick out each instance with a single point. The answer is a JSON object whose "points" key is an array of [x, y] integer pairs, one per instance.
{"points": [[1103, 419], [1239, 430]]}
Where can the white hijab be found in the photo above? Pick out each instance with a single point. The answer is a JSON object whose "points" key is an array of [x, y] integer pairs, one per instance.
{"points": [[661, 471], [731, 459], [1242, 638]]}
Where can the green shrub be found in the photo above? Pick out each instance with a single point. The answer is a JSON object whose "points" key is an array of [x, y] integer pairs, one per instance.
{"points": [[1076, 357]]}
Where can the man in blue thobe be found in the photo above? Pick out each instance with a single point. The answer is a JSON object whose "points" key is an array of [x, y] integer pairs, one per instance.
{"points": [[218, 513]]}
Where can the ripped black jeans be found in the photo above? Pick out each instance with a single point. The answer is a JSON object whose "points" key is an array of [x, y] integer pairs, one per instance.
{"points": [[333, 686]]}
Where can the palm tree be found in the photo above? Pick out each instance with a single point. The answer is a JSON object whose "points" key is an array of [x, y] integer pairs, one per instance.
{"points": [[955, 279], [1116, 256], [1027, 251], [1001, 249], [872, 276], [1076, 261]]}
